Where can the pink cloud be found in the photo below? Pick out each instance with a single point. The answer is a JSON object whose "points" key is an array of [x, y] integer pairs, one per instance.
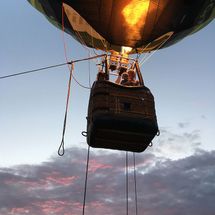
{"points": [[60, 180], [58, 207], [95, 165], [16, 211]]}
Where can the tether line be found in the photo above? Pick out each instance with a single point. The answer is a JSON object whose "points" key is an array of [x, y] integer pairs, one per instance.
{"points": [[126, 170], [32, 71], [52, 66], [135, 183], [86, 178]]}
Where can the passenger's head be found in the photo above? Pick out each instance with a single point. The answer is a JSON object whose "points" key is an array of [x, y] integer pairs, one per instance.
{"points": [[125, 76], [131, 74], [101, 76]]}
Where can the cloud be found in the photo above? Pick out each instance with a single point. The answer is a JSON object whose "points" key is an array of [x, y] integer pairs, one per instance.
{"points": [[176, 145], [183, 124], [175, 187]]}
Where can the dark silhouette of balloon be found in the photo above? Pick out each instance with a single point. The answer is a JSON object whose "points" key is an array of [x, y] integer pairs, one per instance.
{"points": [[141, 25]]}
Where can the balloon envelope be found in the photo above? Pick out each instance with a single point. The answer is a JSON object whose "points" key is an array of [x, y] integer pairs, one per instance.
{"points": [[143, 25]]}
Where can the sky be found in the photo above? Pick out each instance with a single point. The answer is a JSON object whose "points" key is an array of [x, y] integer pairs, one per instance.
{"points": [[176, 176]]}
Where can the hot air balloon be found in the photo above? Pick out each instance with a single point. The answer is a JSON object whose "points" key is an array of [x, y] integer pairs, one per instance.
{"points": [[120, 116], [140, 24]]}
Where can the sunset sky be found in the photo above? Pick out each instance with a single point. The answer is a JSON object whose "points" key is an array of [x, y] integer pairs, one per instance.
{"points": [[176, 176]]}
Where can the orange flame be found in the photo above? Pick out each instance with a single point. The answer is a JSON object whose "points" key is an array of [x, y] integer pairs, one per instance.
{"points": [[135, 11], [135, 14]]}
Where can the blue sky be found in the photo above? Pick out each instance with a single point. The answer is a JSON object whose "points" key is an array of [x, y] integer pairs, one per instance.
{"points": [[32, 108]]}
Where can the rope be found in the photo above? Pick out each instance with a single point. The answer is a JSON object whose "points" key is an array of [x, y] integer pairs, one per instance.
{"points": [[89, 58], [126, 170], [149, 56], [63, 30], [83, 45], [86, 177], [139, 54], [92, 41], [53, 66], [81, 40], [76, 32], [135, 184], [89, 72], [61, 149], [64, 45], [32, 71]]}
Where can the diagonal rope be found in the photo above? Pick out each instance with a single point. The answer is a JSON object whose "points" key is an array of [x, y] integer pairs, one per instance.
{"points": [[53, 66], [32, 71], [145, 58]]}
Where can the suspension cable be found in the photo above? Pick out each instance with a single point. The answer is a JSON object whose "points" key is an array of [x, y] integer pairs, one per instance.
{"points": [[135, 184], [150, 55], [86, 178], [83, 45], [81, 40], [89, 72], [64, 45], [139, 53], [126, 171]]}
